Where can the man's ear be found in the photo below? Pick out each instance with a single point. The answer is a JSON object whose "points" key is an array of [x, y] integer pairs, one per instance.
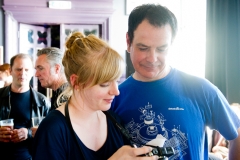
{"points": [[128, 43], [57, 68], [10, 70]]}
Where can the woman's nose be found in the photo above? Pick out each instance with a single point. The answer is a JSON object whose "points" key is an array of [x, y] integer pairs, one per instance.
{"points": [[114, 89]]}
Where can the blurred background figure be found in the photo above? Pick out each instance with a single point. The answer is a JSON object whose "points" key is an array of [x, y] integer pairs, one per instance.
{"points": [[50, 73], [5, 76], [220, 146], [20, 102]]}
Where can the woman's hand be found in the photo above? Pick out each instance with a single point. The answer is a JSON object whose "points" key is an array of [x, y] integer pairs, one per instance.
{"points": [[127, 152]]}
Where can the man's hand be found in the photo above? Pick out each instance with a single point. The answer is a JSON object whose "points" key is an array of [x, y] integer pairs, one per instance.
{"points": [[5, 134], [19, 135]]}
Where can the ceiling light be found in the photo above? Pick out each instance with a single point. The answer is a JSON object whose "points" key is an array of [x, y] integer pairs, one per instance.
{"points": [[60, 4]]}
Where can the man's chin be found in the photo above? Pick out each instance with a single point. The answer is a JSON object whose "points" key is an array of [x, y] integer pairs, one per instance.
{"points": [[43, 85]]}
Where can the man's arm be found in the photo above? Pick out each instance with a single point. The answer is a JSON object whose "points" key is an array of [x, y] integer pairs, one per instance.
{"points": [[234, 148]]}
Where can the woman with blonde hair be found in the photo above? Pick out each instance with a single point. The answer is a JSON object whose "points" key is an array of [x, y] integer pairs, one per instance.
{"points": [[79, 129]]}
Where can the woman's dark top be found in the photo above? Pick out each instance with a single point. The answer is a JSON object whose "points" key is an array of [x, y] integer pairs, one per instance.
{"points": [[54, 141]]}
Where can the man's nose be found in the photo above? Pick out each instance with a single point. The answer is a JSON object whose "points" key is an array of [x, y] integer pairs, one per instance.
{"points": [[36, 74], [152, 56]]}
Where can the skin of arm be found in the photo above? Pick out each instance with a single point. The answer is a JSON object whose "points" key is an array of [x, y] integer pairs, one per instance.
{"points": [[234, 148], [34, 130]]}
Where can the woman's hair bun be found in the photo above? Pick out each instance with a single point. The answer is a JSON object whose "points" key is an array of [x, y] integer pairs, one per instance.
{"points": [[72, 38]]}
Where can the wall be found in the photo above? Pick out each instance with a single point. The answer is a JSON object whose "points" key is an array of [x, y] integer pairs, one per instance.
{"points": [[1, 24], [117, 22], [37, 12], [115, 8], [118, 27]]}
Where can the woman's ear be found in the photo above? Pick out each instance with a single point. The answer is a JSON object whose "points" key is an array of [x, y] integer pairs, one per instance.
{"points": [[73, 81]]}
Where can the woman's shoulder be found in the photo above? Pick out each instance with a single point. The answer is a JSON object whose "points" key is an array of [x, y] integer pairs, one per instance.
{"points": [[53, 120]]}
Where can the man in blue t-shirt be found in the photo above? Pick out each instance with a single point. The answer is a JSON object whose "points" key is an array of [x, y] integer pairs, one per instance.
{"points": [[163, 106], [20, 102]]}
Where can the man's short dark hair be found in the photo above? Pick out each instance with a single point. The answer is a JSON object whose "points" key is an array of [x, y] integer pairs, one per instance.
{"points": [[156, 15]]}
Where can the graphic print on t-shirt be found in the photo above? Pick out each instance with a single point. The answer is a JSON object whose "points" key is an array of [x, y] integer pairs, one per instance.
{"points": [[151, 131]]}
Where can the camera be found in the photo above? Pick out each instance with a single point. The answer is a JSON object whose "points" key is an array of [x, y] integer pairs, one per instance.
{"points": [[162, 152]]}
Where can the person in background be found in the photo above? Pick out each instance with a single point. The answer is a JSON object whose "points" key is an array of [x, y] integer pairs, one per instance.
{"points": [[220, 145], [50, 72], [20, 102], [79, 129], [159, 103], [5, 75]]}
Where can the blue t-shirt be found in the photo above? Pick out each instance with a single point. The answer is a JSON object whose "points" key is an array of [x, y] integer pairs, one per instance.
{"points": [[177, 109], [54, 141]]}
